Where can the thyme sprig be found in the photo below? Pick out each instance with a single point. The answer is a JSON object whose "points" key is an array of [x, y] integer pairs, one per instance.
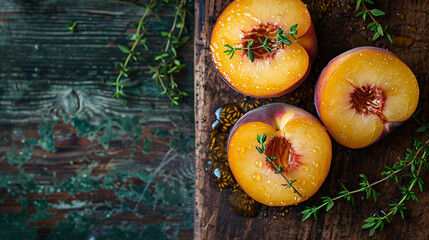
{"points": [[123, 80], [278, 168], [415, 159], [374, 26], [72, 26], [281, 40], [169, 62]]}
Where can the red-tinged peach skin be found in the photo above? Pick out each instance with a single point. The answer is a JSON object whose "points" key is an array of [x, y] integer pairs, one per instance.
{"points": [[298, 140], [363, 94], [270, 74]]}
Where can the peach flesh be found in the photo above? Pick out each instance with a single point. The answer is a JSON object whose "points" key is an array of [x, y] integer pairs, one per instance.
{"points": [[298, 140], [364, 94], [271, 74]]}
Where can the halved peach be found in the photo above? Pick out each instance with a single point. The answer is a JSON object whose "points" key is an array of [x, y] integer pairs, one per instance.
{"points": [[363, 94], [298, 140], [274, 73]]}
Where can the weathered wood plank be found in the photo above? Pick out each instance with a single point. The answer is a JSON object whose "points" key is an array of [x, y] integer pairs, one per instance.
{"points": [[338, 30], [76, 163]]}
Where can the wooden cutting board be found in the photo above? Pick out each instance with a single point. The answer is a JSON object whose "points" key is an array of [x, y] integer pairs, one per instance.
{"points": [[337, 31]]}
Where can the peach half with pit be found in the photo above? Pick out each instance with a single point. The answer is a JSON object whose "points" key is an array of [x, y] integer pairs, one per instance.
{"points": [[297, 140], [265, 72], [363, 94]]}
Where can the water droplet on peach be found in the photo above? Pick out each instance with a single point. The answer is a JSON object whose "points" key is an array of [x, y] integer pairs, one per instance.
{"points": [[258, 163], [315, 164], [256, 177], [306, 168]]}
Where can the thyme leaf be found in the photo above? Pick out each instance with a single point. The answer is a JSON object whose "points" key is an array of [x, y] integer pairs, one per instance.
{"points": [[415, 159], [280, 41], [374, 26], [169, 62], [278, 169]]}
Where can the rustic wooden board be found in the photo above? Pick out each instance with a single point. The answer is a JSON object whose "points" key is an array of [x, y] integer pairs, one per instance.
{"points": [[338, 30], [97, 168]]}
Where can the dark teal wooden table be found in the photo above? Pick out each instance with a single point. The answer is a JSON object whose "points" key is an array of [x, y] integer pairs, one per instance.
{"points": [[76, 163]]}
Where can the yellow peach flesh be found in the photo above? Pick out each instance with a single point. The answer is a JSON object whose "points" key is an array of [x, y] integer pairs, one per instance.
{"points": [[265, 77], [311, 144], [367, 68]]}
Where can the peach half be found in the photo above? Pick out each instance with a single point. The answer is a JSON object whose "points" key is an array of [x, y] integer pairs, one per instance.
{"points": [[300, 144], [270, 73], [363, 94]]}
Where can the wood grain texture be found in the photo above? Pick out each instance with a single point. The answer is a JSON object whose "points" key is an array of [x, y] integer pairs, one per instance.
{"points": [[337, 31], [64, 139]]}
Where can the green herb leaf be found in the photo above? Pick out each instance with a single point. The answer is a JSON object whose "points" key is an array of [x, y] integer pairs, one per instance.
{"points": [[161, 56], [380, 30], [263, 138], [169, 64], [377, 12], [368, 225], [123, 48], [370, 25], [358, 2], [71, 26], [251, 55], [415, 159], [376, 36], [281, 40]]}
